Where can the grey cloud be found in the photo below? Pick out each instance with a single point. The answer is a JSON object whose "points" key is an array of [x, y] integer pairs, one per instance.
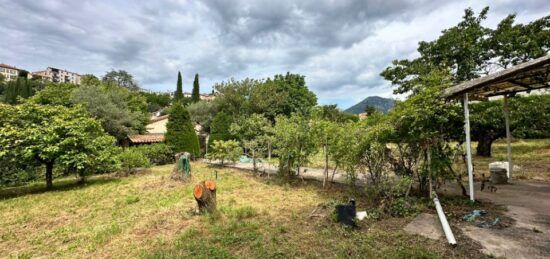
{"points": [[340, 46]]}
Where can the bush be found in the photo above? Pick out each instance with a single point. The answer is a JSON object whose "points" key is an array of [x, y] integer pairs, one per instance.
{"points": [[219, 128], [225, 150], [131, 159], [158, 154], [180, 133]]}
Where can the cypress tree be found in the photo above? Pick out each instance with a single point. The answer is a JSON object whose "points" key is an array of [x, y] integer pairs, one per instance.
{"points": [[178, 96], [10, 96], [180, 134], [24, 87], [195, 95], [219, 128]]}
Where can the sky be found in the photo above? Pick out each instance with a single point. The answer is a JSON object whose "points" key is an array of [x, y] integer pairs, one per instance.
{"points": [[341, 46]]}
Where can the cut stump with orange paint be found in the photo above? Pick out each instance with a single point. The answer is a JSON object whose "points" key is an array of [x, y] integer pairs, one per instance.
{"points": [[205, 195]]}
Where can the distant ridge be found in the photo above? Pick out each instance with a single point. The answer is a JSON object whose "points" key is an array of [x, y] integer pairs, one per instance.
{"points": [[380, 103]]}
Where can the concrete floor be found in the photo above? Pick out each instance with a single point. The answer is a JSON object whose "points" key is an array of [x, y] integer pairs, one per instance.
{"points": [[528, 203]]}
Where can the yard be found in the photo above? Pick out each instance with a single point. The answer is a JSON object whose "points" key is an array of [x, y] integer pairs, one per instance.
{"points": [[149, 215]]}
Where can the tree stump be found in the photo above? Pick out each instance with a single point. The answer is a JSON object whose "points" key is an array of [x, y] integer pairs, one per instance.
{"points": [[205, 195], [179, 173]]}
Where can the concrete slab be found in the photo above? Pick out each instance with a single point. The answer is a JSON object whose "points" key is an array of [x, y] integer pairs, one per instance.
{"points": [[426, 225]]}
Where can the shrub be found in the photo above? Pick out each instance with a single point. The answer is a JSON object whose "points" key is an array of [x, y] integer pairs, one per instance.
{"points": [[180, 134], [131, 159], [225, 150], [219, 128], [158, 154]]}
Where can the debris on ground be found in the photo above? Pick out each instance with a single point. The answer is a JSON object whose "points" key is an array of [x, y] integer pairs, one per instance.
{"points": [[346, 213], [484, 220], [361, 215], [474, 215]]}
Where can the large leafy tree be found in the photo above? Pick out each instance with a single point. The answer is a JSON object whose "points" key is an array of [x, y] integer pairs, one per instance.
{"points": [[220, 126], [300, 98], [55, 94], [113, 108], [89, 79], [250, 130], [121, 78], [195, 94], [470, 49], [52, 135], [203, 113], [180, 134]]}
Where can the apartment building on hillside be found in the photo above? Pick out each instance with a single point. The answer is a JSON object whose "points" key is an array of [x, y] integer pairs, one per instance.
{"points": [[56, 75], [9, 72]]}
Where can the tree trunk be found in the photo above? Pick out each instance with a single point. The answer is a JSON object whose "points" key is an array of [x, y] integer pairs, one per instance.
{"points": [[179, 173], [205, 195], [325, 178], [49, 175], [484, 146], [254, 161]]}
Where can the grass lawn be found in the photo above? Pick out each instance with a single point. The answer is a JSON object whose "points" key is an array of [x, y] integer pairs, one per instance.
{"points": [[531, 155], [148, 216]]}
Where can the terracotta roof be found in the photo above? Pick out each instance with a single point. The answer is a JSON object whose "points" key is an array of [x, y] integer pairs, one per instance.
{"points": [[159, 118], [148, 138], [8, 66]]}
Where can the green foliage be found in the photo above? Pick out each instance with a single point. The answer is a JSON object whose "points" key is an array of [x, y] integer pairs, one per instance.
{"points": [[282, 95], [529, 118], [220, 126], [400, 207], [178, 95], [55, 94], [180, 133], [469, 49], [252, 131], [156, 101], [224, 151], [131, 159], [158, 154], [89, 79], [19, 88], [195, 94], [333, 114], [294, 143], [119, 110], [52, 135], [120, 78], [203, 113]]}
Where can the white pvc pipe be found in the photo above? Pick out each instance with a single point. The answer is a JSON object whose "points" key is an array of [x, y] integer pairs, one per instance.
{"points": [[468, 147], [444, 223]]}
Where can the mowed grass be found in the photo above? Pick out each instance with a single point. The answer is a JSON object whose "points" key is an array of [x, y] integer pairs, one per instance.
{"points": [[149, 216]]}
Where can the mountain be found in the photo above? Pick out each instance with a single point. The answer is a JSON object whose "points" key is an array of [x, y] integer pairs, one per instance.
{"points": [[380, 103]]}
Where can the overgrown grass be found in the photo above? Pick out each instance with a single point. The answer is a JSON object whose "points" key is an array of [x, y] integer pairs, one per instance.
{"points": [[149, 216], [531, 155]]}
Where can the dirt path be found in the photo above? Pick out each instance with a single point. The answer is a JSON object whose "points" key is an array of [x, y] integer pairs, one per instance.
{"points": [[305, 172], [528, 203]]}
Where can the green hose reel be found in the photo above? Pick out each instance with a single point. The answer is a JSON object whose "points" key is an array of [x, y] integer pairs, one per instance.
{"points": [[184, 166]]}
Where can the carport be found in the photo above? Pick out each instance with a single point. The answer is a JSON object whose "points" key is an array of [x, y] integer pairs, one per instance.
{"points": [[526, 77]]}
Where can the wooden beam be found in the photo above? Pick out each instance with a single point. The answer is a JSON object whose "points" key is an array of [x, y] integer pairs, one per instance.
{"points": [[521, 84]]}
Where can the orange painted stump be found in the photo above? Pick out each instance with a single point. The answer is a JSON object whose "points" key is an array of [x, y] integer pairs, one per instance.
{"points": [[205, 195]]}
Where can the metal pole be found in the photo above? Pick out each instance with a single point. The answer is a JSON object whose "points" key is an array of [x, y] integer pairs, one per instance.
{"points": [[468, 147], [508, 137]]}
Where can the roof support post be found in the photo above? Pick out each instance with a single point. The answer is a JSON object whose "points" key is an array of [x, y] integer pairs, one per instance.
{"points": [[508, 137], [468, 147]]}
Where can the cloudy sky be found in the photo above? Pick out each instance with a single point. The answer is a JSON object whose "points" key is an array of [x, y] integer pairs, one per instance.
{"points": [[339, 45]]}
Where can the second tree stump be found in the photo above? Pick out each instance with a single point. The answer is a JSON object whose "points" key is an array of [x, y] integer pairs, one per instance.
{"points": [[205, 195]]}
